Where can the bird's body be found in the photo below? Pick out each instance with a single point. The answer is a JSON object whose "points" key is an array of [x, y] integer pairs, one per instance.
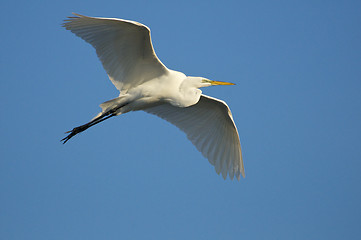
{"points": [[126, 52]]}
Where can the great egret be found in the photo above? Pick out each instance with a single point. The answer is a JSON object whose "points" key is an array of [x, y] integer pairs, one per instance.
{"points": [[145, 83]]}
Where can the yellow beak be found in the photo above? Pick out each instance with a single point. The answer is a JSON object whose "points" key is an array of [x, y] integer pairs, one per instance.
{"points": [[221, 83]]}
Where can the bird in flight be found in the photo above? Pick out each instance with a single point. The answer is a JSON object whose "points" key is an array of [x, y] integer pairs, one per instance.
{"points": [[145, 83]]}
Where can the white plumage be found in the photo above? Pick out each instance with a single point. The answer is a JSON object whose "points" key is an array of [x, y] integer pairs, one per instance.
{"points": [[126, 52]]}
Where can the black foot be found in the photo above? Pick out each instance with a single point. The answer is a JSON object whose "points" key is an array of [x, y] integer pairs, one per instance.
{"points": [[74, 132]]}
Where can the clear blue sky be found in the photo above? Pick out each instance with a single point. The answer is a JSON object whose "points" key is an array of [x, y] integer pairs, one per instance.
{"points": [[297, 105]]}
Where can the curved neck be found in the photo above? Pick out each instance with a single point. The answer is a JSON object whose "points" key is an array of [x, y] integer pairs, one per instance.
{"points": [[189, 93]]}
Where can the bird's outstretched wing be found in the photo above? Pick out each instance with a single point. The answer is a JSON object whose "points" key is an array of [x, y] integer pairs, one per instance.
{"points": [[124, 48], [210, 127]]}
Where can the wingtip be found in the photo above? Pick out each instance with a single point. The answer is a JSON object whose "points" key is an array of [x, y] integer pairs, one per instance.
{"points": [[239, 175], [69, 19], [77, 14]]}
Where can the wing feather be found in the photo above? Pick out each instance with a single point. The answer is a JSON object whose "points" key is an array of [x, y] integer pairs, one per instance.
{"points": [[124, 48], [210, 127]]}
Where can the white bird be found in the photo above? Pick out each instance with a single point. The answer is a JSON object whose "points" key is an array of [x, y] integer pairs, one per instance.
{"points": [[145, 83]]}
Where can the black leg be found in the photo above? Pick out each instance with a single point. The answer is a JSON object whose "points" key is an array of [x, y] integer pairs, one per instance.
{"points": [[95, 121], [84, 127]]}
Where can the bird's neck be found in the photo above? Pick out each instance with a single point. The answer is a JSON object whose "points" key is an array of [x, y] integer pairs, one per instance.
{"points": [[189, 94]]}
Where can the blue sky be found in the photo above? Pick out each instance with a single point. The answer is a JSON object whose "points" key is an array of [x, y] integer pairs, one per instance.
{"points": [[297, 105]]}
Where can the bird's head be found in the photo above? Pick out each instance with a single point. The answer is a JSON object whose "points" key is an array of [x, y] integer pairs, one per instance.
{"points": [[190, 92], [199, 82]]}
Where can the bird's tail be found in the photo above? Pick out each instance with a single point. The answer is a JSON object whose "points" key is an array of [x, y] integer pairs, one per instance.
{"points": [[112, 105]]}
